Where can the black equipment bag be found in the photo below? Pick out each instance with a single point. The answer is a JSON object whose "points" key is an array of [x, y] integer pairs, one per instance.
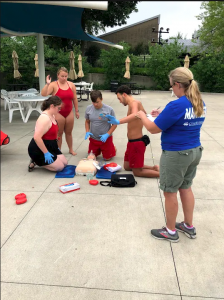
{"points": [[120, 181]]}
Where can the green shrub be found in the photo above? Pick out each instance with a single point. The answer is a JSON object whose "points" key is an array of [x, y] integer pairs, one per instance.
{"points": [[113, 62], [96, 70], [209, 72], [162, 60]]}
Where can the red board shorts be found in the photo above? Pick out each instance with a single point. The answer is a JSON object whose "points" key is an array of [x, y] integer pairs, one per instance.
{"points": [[135, 154], [108, 150]]}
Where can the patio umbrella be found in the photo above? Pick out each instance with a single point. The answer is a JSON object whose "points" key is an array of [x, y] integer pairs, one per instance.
{"points": [[186, 62], [80, 74], [36, 65], [17, 75], [72, 73], [127, 65]]}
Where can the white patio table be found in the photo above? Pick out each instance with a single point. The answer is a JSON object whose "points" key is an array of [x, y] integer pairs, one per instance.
{"points": [[13, 94], [36, 100]]}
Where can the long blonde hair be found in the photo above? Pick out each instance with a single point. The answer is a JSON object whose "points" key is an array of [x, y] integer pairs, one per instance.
{"points": [[185, 77]]}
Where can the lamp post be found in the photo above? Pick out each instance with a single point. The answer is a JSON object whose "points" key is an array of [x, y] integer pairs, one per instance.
{"points": [[160, 35]]}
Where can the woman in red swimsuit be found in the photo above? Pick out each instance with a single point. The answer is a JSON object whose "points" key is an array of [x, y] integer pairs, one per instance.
{"points": [[66, 90], [43, 148]]}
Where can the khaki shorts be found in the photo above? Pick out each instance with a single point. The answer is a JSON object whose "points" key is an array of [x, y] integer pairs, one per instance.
{"points": [[178, 168]]}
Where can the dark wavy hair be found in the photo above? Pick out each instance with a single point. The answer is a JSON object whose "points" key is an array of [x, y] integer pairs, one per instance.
{"points": [[123, 89], [55, 100]]}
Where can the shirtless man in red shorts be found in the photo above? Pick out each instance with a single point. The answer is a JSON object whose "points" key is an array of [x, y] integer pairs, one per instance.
{"points": [[134, 155]]}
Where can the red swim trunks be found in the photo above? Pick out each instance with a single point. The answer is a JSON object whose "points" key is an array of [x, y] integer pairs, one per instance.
{"points": [[135, 154], [107, 148]]}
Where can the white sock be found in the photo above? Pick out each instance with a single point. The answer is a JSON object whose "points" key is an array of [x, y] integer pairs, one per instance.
{"points": [[171, 231], [188, 227]]}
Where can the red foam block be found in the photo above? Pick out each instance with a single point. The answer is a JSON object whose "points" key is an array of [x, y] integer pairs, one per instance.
{"points": [[20, 196], [93, 182], [21, 201]]}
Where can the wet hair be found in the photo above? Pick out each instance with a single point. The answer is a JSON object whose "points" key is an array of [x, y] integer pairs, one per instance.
{"points": [[123, 89], [55, 100], [185, 77], [62, 69], [95, 94]]}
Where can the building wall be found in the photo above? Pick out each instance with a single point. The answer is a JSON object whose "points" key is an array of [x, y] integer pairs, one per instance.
{"points": [[98, 78], [133, 35]]}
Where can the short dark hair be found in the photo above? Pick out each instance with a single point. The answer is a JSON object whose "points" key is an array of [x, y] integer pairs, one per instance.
{"points": [[55, 100], [95, 94], [123, 89]]}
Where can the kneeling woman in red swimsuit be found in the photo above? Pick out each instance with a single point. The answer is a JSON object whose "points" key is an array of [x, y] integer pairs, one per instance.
{"points": [[43, 148], [66, 90]]}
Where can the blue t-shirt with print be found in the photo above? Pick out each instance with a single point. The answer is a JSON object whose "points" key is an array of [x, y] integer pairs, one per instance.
{"points": [[180, 127]]}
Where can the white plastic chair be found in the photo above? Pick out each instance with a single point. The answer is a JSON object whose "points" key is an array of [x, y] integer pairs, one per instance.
{"points": [[172, 93], [4, 93], [13, 106], [32, 90], [90, 88]]}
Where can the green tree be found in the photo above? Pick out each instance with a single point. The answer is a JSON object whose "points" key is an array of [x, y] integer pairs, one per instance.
{"points": [[162, 60], [93, 54], [211, 33], [113, 62], [141, 48], [118, 12], [26, 48], [209, 72]]}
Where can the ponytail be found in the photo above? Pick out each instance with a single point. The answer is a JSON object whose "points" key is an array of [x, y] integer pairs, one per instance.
{"points": [[185, 77]]}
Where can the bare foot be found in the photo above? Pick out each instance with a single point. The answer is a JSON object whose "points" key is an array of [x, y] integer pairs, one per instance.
{"points": [[156, 168], [73, 152]]}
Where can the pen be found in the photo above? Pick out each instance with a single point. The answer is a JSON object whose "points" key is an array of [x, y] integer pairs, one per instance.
{"points": [[158, 107]]}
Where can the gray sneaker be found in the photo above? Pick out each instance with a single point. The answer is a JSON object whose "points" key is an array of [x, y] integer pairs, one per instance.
{"points": [[163, 234], [190, 233]]}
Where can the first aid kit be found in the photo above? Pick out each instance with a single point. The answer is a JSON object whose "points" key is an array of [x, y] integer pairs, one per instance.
{"points": [[69, 187]]}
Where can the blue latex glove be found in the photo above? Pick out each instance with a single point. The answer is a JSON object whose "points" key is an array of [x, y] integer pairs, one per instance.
{"points": [[48, 158], [87, 135], [112, 120], [104, 137]]}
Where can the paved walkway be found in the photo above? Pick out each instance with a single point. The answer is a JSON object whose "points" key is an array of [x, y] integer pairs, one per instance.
{"points": [[95, 243]]}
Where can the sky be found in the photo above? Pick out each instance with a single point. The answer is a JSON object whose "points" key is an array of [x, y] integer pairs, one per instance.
{"points": [[179, 16]]}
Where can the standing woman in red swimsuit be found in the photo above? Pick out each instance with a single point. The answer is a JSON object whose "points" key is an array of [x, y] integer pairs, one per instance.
{"points": [[66, 90]]}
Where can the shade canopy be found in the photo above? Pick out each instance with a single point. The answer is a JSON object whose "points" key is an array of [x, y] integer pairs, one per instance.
{"points": [[17, 75], [55, 20], [186, 62], [36, 74], [127, 66], [59, 18], [80, 74], [72, 74]]}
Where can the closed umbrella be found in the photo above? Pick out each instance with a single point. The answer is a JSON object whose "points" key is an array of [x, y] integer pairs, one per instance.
{"points": [[72, 73], [186, 62], [127, 65], [15, 65], [36, 66], [80, 74]]}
